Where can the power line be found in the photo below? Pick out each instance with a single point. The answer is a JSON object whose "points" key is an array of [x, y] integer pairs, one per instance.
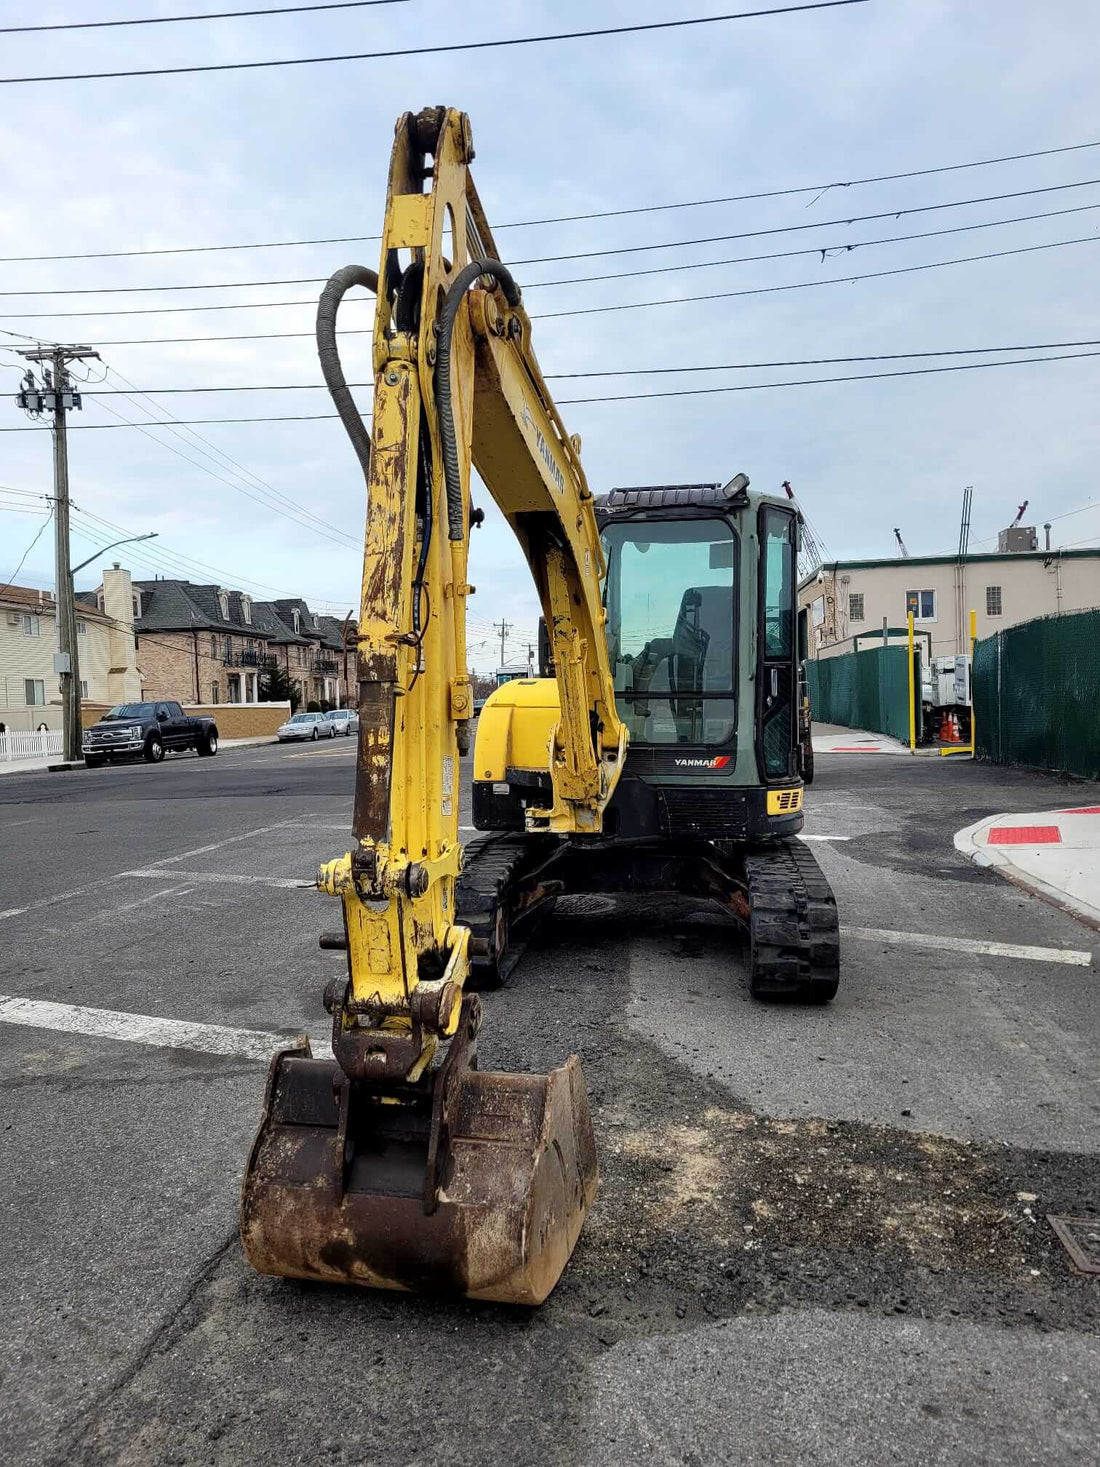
{"points": [[170, 424], [825, 251], [91, 25], [896, 356], [643, 396], [635, 249], [580, 310], [617, 30], [816, 284], [216, 454], [30, 547], [775, 193]]}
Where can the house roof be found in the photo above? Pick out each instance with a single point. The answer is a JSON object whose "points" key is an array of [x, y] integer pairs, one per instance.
{"points": [[333, 631], [30, 598], [277, 631], [899, 562], [175, 606]]}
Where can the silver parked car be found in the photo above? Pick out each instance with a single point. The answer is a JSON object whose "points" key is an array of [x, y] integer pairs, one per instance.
{"points": [[346, 720], [305, 726]]}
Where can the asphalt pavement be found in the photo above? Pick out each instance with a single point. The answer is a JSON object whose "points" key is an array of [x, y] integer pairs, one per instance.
{"points": [[820, 1235]]}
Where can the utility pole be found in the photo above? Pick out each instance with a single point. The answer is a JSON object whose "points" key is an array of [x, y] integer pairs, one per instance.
{"points": [[505, 628], [530, 660], [57, 397]]}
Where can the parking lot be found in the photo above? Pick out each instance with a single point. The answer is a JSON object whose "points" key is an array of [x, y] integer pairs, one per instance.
{"points": [[820, 1235]]}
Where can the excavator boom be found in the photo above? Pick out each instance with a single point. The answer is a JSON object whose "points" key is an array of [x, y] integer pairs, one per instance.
{"points": [[398, 1163]]}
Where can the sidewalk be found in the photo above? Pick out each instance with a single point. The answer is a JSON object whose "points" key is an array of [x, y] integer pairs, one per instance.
{"points": [[1053, 853], [40, 766], [829, 738]]}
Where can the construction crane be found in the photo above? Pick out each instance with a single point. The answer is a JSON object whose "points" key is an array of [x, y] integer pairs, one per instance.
{"points": [[1019, 515], [903, 549], [658, 753]]}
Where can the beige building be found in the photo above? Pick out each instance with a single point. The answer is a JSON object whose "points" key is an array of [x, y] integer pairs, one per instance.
{"points": [[30, 690], [854, 598]]}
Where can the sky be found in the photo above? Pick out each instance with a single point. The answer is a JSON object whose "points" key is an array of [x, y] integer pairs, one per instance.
{"points": [[572, 127]]}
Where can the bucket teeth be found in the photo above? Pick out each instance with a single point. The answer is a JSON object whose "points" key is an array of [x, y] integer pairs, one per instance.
{"points": [[335, 1185]]}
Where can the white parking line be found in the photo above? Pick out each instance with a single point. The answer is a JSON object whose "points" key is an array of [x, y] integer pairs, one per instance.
{"points": [[804, 836], [77, 891], [1069, 955], [228, 878], [142, 1028]]}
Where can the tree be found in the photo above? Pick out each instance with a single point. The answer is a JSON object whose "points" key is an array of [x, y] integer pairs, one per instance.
{"points": [[277, 686]]}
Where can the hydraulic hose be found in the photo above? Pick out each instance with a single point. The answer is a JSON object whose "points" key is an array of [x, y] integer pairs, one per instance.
{"points": [[333, 293], [456, 519]]}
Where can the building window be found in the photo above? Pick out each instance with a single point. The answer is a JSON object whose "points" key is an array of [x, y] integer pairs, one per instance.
{"points": [[81, 628], [34, 692], [246, 609], [855, 606], [223, 603], [229, 649], [297, 621], [83, 688], [922, 604], [136, 603], [214, 694], [250, 646], [213, 646], [993, 601], [31, 625]]}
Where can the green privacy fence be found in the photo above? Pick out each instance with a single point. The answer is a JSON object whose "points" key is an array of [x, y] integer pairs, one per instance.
{"points": [[868, 689], [1037, 694]]}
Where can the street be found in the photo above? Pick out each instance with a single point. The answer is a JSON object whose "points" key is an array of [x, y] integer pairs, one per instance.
{"points": [[820, 1235]]}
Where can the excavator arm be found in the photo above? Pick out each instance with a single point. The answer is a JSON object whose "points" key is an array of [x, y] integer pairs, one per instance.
{"points": [[422, 1172]]}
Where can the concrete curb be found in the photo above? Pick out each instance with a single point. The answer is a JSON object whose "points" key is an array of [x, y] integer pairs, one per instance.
{"points": [[1017, 863], [52, 764]]}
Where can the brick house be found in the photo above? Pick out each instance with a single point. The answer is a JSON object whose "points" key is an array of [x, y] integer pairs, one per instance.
{"points": [[30, 690], [198, 644], [290, 649], [324, 667]]}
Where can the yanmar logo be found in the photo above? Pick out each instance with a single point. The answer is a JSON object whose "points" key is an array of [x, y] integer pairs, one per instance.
{"points": [[719, 762]]}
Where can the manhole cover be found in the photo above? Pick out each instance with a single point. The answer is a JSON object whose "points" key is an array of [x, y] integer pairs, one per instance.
{"points": [[1080, 1236]]}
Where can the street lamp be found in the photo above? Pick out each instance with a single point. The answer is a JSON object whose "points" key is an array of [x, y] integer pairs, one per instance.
{"points": [[73, 725]]}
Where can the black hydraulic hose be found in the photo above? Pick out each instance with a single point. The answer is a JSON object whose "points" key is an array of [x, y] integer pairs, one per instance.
{"points": [[456, 519], [333, 293]]}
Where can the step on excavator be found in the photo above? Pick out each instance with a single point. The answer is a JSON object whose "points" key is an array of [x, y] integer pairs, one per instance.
{"points": [[659, 753]]}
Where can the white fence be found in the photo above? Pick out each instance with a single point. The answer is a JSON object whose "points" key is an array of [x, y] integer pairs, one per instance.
{"points": [[30, 745]]}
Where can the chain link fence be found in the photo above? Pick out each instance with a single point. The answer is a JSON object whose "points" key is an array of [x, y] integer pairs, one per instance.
{"points": [[1037, 694], [867, 689]]}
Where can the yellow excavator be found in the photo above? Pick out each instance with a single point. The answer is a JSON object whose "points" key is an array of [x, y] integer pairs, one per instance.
{"points": [[658, 753]]}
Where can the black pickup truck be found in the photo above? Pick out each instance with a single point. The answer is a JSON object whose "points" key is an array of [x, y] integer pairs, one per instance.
{"points": [[149, 729]]}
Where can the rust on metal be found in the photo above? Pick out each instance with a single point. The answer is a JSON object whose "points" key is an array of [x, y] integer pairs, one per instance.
{"points": [[335, 1186], [1080, 1237]]}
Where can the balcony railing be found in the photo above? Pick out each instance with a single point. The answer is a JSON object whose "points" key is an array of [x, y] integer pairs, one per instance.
{"points": [[242, 659], [327, 666]]}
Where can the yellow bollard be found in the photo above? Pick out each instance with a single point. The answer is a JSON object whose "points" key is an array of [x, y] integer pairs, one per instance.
{"points": [[912, 694]]}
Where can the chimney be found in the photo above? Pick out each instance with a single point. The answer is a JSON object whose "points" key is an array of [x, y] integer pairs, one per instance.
{"points": [[1046, 529], [123, 678]]}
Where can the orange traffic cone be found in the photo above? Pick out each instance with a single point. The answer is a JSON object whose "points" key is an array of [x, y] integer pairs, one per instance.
{"points": [[950, 731]]}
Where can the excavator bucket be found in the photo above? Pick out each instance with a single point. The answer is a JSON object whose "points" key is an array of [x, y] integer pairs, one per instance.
{"points": [[482, 1192]]}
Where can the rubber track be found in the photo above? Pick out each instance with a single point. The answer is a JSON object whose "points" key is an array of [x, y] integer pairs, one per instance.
{"points": [[794, 933], [494, 864]]}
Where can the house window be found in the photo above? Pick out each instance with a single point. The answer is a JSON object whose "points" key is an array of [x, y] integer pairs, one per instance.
{"points": [[83, 688], [250, 646], [855, 606], [34, 691], [82, 628], [31, 625], [229, 649], [213, 646], [993, 601], [136, 603], [922, 604], [246, 609], [214, 694], [223, 603]]}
